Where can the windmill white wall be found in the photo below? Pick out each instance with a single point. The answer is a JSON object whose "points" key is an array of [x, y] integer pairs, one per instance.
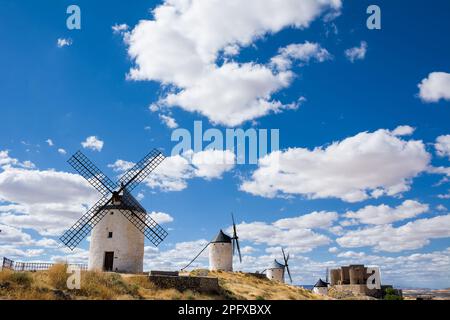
{"points": [[276, 272], [221, 253], [320, 290], [127, 243]]}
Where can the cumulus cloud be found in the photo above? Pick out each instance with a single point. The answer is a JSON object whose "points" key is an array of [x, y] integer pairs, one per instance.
{"points": [[172, 174], [413, 235], [93, 143], [303, 52], [161, 217], [62, 151], [313, 220], [295, 234], [45, 201], [50, 142], [6, 161], [168, 121], [357, 168], [357, 53], [442, 146], [182, 44], [384, 214], [435, 87], [64, 42], [120, 28], [121, 165], [403, 131]]}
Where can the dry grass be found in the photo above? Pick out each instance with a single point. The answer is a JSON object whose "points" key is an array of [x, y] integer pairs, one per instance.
{"points": [[247, 287], [51, 284]]}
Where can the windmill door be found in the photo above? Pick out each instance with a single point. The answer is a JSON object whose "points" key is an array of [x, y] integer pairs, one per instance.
{"points": [[109, 261]]}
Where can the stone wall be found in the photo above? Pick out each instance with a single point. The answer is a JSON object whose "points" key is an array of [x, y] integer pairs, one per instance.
{"points": [[359, 290], [182, 283]]}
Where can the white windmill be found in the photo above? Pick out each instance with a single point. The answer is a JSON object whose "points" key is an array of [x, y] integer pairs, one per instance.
{"points": [[117, 221], [276, 270], [221, 251]]}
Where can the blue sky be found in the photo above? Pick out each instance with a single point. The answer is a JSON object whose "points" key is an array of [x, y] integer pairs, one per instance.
{"points": [[391, 145]]}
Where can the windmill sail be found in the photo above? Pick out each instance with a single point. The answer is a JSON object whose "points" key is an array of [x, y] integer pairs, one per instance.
{"points": [[111, 192]]}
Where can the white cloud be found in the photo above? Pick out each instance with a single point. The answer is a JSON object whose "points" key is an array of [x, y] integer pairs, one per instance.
{"points": [[442, 146], [11, 235], [333, 250], [93, 143], [403, 131], [357, 53], [45, 201], [168, 121], [62, 151], [413, 235], [295, 234], [354, 169], [64, 42], [303, 52], [181, 48], [172, 174], [120, 28], [6, 161], [384, 214], [212, 164], [313, 220], [161, 217], [121, 165], [435, 87], [49, 142], [177, 257]]}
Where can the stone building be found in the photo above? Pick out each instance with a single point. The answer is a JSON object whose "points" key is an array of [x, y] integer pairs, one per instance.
{"points": [[353, 279], [116, 244], [221, 253], [276, 271]]}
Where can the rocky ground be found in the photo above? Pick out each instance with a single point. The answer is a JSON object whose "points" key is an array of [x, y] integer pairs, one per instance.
{"points": [[51, 285]]}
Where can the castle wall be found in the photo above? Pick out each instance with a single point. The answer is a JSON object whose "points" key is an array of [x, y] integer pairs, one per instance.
{"points": [[276, 274], [127, 243], [359, 290], [335, 277], [220, 256], [357, 274]]}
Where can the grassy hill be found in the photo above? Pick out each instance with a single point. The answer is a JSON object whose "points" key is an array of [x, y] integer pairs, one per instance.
{"points": [[51, 284]]}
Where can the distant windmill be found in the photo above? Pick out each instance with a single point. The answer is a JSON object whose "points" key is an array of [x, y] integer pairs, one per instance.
{"points": [[118, 222], [276, 269], [221, 251]]}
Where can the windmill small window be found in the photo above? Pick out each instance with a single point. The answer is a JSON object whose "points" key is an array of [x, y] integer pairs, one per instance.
{"points": [[110, 235]]}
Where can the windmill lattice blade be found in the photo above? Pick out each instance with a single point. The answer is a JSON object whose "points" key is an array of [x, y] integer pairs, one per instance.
{"points": [[152, 230], [239, 250], [72, 237], [92, 174], [284, 256], [141, 170], [289, 273]]}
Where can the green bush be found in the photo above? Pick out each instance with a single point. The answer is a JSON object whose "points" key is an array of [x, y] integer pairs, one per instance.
{"points": [[391, 294]]}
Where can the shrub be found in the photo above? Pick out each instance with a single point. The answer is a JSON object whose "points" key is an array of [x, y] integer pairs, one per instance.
{"points": [[57, 275], [21, 278]]}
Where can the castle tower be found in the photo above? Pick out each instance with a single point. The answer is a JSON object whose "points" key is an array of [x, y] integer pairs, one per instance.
{"points": [[275, 271], [116, 244], [221, 253]]}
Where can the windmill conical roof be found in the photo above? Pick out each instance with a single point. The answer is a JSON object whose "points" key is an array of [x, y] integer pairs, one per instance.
{"points": [[321, 284], [276, 265], [221, 238]]}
